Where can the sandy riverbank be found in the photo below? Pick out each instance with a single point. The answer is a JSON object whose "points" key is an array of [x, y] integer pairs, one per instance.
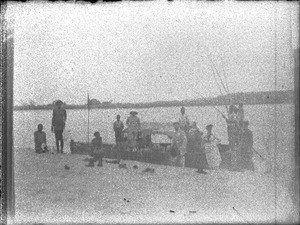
{"points": [[47, 193]]}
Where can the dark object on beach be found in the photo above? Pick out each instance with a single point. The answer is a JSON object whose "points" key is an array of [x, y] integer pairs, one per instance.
{"points": [[67, 167], [135, 167], [91, 164], [86, 160], [172, 211], [201, 171], [192, 211], [113, 161], [123, 165], [150, 170]]}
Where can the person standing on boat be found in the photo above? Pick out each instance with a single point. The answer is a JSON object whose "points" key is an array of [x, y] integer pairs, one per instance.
{"points": [[246, 147], [59, 118], [210, 143], [134, 126], [118, 128], [179, 143], [184, 122], [233, 130], [240, 114], [195, 151]]}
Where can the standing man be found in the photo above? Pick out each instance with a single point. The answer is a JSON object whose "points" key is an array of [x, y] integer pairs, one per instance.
{"points": [[118, 128], [184, 122], [59, 118], [246, 147], [179, 142], [134, 126]]}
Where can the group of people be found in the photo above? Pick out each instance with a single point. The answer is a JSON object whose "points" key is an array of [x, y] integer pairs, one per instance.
{"points": [[240, 138], [187, 141], [203, 149]]}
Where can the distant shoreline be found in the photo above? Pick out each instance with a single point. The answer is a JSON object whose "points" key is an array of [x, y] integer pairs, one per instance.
{"points": [[147, 107], [250, 98]]}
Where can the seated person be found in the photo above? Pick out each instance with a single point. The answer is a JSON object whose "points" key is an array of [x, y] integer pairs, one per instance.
{"points": [[97, 150], [40, 140]]}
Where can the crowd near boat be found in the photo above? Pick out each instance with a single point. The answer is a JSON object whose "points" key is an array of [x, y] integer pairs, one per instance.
{"points": [[186, 141]]}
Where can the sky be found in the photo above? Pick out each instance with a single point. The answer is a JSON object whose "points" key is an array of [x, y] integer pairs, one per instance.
{"points": [[150, 51]]}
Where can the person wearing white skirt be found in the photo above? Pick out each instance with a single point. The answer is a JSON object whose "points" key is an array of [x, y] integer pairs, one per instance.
{"points": [[210, 143]]}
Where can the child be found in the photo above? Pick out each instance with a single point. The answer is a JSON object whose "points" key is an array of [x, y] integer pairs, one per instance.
{"points": [[97, 151], [40, 140]]}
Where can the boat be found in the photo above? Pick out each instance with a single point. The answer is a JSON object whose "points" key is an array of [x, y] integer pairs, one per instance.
{"points": [[153, 146]]}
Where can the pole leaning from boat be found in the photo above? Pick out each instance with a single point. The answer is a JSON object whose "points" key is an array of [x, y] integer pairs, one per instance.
{"points": [[216, 73], [88, 108], [209, 102]]}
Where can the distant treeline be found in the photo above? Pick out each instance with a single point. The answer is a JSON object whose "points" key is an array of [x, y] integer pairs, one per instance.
{"points": [[248, 98]]}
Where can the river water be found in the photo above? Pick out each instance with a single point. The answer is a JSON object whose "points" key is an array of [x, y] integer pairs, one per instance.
{"points": [[263, 123]]}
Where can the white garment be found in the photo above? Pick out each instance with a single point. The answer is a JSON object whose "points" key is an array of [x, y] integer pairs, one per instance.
{"points": [[213, 155]]}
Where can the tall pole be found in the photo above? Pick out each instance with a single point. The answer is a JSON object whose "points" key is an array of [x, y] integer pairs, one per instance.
{"points": [[7, 208], [275, 112]]}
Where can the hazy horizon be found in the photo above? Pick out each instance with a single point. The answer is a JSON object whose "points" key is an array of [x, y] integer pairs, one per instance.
{"points": [[151, 51]]}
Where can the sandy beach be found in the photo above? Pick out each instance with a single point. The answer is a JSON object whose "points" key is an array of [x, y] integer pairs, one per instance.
{"points": [[47, 193]]}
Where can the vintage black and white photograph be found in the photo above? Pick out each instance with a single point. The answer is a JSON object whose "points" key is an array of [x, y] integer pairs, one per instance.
{"points": [[152, 112]]}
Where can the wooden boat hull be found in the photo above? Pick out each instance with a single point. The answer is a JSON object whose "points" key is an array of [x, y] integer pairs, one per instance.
{"points": [[152, 155]]}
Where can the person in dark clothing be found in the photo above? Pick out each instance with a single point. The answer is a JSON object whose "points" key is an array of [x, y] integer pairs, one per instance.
{"points": [[40, 140], [97, 150], [118, 128], [195, 150], [59, 118], [246, 146]]}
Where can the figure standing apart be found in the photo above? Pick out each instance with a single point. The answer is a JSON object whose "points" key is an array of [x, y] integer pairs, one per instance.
{"points": [[134, 126], [179, 143], [40, 140], [59, 118], [97, 150], [246, 147], [195, 150], [184, 122], [210, 143]]}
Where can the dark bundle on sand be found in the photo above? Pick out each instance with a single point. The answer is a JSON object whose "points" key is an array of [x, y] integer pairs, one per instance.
{"points": [[113, 161], [67, 167], [123, 165], [135, 167], [148, 170]]}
